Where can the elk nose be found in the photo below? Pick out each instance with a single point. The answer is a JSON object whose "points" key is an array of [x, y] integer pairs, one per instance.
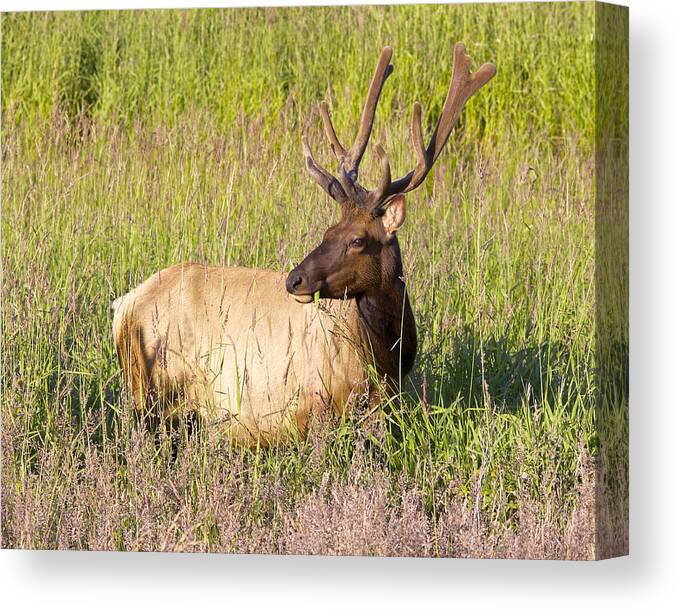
{"points": [[294, 280]]}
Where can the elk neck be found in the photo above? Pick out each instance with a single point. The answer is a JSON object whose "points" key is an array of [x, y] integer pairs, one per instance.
{"points": [[385, 319]]}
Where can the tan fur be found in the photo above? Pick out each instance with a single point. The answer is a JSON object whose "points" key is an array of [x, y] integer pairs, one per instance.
{"points": [[231, 344], [234, 346]]}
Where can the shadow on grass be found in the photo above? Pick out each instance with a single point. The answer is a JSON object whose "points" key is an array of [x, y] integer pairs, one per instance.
{"points": [[493, 370]]}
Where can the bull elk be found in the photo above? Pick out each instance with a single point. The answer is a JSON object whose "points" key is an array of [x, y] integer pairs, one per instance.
{"points": [[246, 348]]}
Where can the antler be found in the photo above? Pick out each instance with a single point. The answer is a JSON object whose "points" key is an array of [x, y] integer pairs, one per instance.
{"points": [[321, 175], [462, 86], [349, 160]]}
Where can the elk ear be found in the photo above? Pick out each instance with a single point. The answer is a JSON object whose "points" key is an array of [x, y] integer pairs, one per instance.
{"points": [[394, 215]]}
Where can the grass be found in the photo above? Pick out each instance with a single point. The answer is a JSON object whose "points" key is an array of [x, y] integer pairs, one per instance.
{"points": [[133, 140]]}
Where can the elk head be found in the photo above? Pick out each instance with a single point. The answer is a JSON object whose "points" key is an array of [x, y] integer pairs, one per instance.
{"points": [[361, 251]]}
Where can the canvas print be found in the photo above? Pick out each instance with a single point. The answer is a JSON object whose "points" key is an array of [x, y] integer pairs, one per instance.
{"points": [[331, 280]]}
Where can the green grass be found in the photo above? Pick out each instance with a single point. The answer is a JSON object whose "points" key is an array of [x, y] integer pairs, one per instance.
{"points": [[135, 140], [161, 67]]}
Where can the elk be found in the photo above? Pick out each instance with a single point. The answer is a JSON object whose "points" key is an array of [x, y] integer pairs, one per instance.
{"points": [[260, 353]]}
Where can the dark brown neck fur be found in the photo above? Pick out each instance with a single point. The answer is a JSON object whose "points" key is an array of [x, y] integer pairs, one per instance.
{"points": [[386, 321]]}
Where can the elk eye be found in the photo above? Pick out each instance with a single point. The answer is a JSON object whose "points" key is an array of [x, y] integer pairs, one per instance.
{"points": [[357, 242]]}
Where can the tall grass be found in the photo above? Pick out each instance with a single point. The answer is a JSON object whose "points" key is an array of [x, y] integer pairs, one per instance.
{"points": [[162, 67], [132, 140]]}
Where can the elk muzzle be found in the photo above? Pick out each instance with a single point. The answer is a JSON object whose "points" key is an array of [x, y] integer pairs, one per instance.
{"points": [[300, 286]]}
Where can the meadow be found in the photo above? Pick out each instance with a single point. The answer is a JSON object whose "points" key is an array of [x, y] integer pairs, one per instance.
{"points": [[133, 140]]}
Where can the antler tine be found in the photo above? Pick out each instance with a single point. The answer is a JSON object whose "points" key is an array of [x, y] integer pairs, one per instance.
{"points": [[378, 194], [418, 141], [349, 184], [351, 158], [381, 73], [338, 150], [321, 175], [462, 86]]}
